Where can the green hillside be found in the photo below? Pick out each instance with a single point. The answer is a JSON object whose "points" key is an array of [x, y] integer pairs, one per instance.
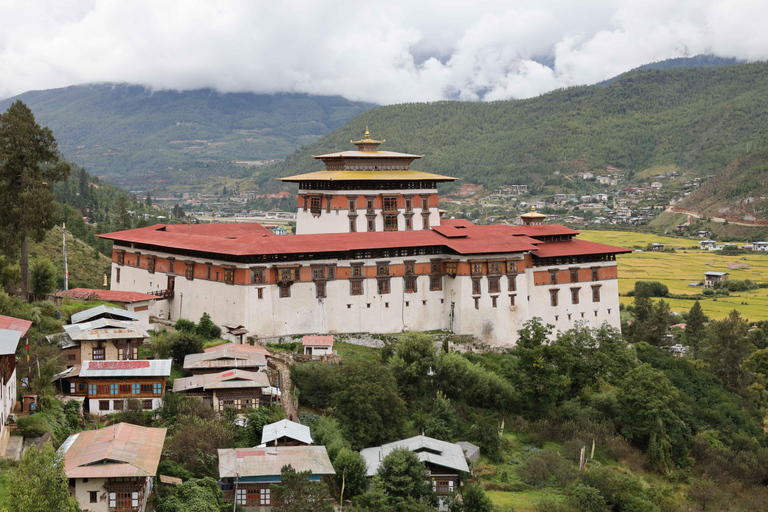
{"points": [[737, 193], [697, 119], [132, 135]]}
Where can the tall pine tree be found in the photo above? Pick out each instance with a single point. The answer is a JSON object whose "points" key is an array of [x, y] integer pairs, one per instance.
{"points": [[29, 165]]}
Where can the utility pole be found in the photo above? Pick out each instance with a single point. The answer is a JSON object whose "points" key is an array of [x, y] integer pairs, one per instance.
{"points": [[66, 269]]}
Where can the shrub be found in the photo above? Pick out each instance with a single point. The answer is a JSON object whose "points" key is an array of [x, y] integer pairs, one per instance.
{"points": [[184, 325], [206, 329], [540, 468], [586, 499]]}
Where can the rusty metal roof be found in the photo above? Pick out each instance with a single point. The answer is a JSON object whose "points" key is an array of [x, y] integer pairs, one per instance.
{"points": [[105, 329], [268, 461], [134, 368], [317, 341], [428, 449], [120, 450], [231, 356], [15, 324], [107, 295], [232, 379]]}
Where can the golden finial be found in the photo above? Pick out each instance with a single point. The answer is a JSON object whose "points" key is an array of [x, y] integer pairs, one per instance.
{"points": [[367, 133]]}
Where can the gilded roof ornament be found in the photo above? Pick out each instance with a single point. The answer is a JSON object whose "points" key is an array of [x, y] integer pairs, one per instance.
{"points": [[367, 142]]}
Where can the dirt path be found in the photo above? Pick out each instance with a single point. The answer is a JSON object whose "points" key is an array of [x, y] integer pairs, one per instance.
{"points": [[721, 220]]}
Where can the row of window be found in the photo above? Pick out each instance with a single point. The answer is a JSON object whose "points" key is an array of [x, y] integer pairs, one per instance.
{"points": [[155, 388], [494, 284], [553, 295], [388, 203], [574, 275], [123, 353]]}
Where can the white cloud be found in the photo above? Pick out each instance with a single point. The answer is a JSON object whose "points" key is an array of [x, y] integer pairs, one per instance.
{"points": [[388, 52]]}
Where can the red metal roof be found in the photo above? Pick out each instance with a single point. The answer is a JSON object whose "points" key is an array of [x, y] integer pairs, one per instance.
{"points": [[107, 295], [15, 324], [317, 341], [576, 247], [117, 365]]}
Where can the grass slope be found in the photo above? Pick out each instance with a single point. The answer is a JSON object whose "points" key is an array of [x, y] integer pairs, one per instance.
{"points": [[87, 267]]}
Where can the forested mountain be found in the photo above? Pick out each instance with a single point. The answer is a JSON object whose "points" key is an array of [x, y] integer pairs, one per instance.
{"points": [[697, 61], [129, 134], [699, 119]]}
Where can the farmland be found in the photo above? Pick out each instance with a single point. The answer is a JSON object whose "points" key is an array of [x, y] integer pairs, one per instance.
{"points": [[684, 266]]}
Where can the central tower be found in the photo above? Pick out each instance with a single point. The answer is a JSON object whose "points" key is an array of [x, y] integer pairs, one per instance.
{"points": [[367, 190]]}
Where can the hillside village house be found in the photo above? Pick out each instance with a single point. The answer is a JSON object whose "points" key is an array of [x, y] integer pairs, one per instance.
{"points": [[112, 468], [137, 303], [372, 255], [285, 433], [239, 389], [444, 461], [105, 386], [229, 356], [99, 334], [317, 345], [12, 330], [246, 474], [711, 278]]}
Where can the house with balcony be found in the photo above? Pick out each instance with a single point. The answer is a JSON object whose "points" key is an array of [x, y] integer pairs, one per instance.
{"points": [[239, 389], [112, 468], [106, 386]]}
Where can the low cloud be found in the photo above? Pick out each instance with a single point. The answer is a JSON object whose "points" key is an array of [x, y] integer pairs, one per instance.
{"points": [[391, 52]]}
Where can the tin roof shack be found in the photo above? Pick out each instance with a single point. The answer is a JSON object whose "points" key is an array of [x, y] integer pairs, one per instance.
{"points": [[710, 278], [141, 305], [229, 356], [285, 433], [317, 345], [12, 330], [105, 386], [240, 389], [444, 460], [112, 468], [246, 474], [99, 339]]}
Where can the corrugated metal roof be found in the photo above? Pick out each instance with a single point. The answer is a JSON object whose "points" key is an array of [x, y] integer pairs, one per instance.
{"points": [[576, 248], [471, 451], [9, 340], [135, 368], [104, 311], [238, 348], [434, 451], [269, 461], [120, 450], [108, 295], [716, 274], [170, 480], [230, 356], [317, 341], [105, 329], [15, 324], [286, 428], [232, 379]]}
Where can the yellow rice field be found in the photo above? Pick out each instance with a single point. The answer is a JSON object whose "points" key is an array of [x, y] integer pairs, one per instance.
{"points": [[677, 270]]}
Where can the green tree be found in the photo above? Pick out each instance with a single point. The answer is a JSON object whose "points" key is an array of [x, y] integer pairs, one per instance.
{"points": [[648, 413], [695, 329], [475, 499], [182, 344], [43, 277], [414, 357], [350, 470], [541, 384], [367, 404], [729, 346], [195, 495], [29, 166], [148, 201], [123, 215], [296, 493], [206, 329], [404, 476], [40, 483]]}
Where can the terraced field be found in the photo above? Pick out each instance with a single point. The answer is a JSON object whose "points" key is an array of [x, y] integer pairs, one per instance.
{"points": [[687, 265]]}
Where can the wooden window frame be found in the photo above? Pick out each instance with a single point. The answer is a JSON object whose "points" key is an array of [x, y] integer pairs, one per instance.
{"points": [[575, 295], [511, 282], [553, 298], [189, 270], [320, 290], [120, 257], [494, 285], [435, 283], [476, 289], [553, 277], [285, 291], [409, 285], [595, 273], [356, 271], [596, 293], [383, 286], [229, 275], [356, 287], [151, 264], [476, 268], [102, 356], [390, 223], [574, 275]]}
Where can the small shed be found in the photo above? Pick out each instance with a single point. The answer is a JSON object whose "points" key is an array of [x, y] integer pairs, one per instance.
{"points": [[657, 247], [710, 278], [317, 345]]}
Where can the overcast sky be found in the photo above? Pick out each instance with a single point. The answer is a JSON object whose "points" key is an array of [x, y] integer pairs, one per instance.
{"points": [[390, 51]]}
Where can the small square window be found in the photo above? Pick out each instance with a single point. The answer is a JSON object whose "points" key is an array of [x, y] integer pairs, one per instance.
{"points": [[435, 283], [285, 292], [410, 285], [93, 496], [355, 287]]}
